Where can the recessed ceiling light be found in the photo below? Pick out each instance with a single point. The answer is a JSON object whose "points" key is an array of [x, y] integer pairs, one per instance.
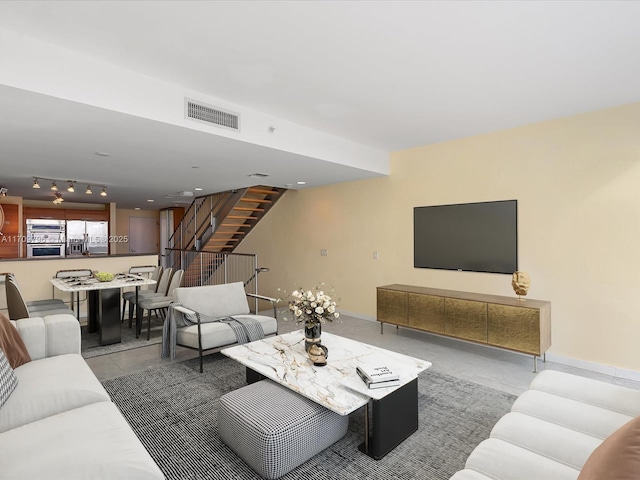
{"points": [[151, 200], [195, 166], [301, 183], [259, 175], [102, 154], [137, 208], [198, 189]]}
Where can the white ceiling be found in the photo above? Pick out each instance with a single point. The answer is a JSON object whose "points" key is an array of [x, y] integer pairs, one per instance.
{"points": [[391, 75]]}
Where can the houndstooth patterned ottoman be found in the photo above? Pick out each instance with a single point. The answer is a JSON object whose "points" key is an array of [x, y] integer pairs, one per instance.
{"points": [[273, 429]]}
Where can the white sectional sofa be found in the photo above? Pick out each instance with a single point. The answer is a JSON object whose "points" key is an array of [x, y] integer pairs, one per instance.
{"points": [[59, 422], [552, 429]]}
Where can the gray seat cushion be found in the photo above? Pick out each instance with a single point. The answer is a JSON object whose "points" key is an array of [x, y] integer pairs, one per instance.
{"points": [[220, 334]]}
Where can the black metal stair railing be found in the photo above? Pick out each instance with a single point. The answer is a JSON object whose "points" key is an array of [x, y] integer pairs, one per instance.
{"points": [[216, 222], [215, 268], [199, 217]]}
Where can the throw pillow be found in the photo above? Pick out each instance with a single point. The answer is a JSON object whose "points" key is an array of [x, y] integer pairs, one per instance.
{"points": [[11, 343], [618, 457], [8, 379]]}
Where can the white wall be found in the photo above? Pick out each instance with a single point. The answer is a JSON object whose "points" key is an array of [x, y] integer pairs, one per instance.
{"points": [[36, 66]]}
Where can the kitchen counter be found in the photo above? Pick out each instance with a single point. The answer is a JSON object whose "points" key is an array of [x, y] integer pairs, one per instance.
{"points": [[33, 274], [77, 257]]}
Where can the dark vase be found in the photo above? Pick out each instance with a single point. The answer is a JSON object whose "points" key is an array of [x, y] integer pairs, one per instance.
{"points": [[312, 334]]}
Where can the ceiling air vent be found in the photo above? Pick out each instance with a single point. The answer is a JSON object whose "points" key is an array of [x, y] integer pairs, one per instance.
{"points": [[211, 115]]}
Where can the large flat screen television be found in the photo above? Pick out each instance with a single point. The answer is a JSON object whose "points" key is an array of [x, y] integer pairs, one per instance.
{"points": [[476, 237]]}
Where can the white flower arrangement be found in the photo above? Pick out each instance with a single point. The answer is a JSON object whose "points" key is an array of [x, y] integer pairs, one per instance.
{"points": [[312, 306]]}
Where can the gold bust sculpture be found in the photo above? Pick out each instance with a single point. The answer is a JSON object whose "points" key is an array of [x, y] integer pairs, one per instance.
{"points": [[520, 282]]}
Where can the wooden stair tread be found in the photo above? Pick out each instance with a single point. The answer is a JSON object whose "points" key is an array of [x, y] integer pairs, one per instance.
{"points": [[254, 200], [248, 209], [266, 192], [227, 234]]}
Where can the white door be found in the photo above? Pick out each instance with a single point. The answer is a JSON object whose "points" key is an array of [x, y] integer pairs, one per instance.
{"points": [[143, 235], [166, 230]]}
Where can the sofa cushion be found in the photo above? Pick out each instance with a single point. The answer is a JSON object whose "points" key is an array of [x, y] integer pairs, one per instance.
{"points": [[11, 344], [559, 443], [49, 335], [586, 390], [8, 379], [50, 386], [468, 474], [94, 441], [498, 459], [618, 457], [578, 416]]}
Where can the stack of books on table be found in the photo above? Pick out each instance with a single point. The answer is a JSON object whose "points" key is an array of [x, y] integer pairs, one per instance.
{"points": [[378, 376]]}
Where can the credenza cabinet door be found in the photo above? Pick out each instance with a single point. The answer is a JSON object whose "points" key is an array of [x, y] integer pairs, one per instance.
{"points": [[515, 328], [426, 312], [466, 319], [392, 307], [519, 325]]}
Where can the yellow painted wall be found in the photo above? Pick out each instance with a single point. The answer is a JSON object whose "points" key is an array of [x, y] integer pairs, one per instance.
{"points": [[577, 184], [33, 275]]}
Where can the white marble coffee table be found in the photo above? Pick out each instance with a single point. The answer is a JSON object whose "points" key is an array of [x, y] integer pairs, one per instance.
{"points": [[337, 386]]}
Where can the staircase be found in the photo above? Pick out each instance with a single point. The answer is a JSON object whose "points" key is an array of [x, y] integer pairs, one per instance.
{"points": [[217, 224]]}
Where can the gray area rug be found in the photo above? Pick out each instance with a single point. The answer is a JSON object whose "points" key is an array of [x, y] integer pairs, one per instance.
{"points": [[89, 341], [173, 411]]}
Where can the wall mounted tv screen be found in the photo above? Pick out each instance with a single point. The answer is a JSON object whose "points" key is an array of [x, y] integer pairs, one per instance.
{"points": [[476, 237]]}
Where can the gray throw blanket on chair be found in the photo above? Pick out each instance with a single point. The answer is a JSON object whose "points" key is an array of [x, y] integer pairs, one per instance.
{"points": [[245, 329]]}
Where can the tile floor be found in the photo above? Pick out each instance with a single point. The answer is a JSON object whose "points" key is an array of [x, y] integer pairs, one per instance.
{"points": [[498, 369]]}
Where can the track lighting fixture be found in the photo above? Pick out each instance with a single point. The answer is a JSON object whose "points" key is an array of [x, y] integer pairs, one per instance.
{"points": [[58, 200], [3, 193], [70, 188]]}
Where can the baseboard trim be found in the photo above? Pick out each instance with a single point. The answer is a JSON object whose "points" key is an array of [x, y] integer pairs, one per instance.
{"points": [[609, 370], [358, 315]]}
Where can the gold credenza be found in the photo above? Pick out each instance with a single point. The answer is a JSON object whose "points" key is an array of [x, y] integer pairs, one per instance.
{"points": [[520, 325]]}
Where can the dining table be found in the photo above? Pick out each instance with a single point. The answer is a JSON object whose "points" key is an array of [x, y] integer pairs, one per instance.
{"points": [[103, 302]]}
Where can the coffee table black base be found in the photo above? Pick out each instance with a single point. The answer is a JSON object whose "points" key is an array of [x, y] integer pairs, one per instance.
{"points": [[393, 419], [253, 376]]}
